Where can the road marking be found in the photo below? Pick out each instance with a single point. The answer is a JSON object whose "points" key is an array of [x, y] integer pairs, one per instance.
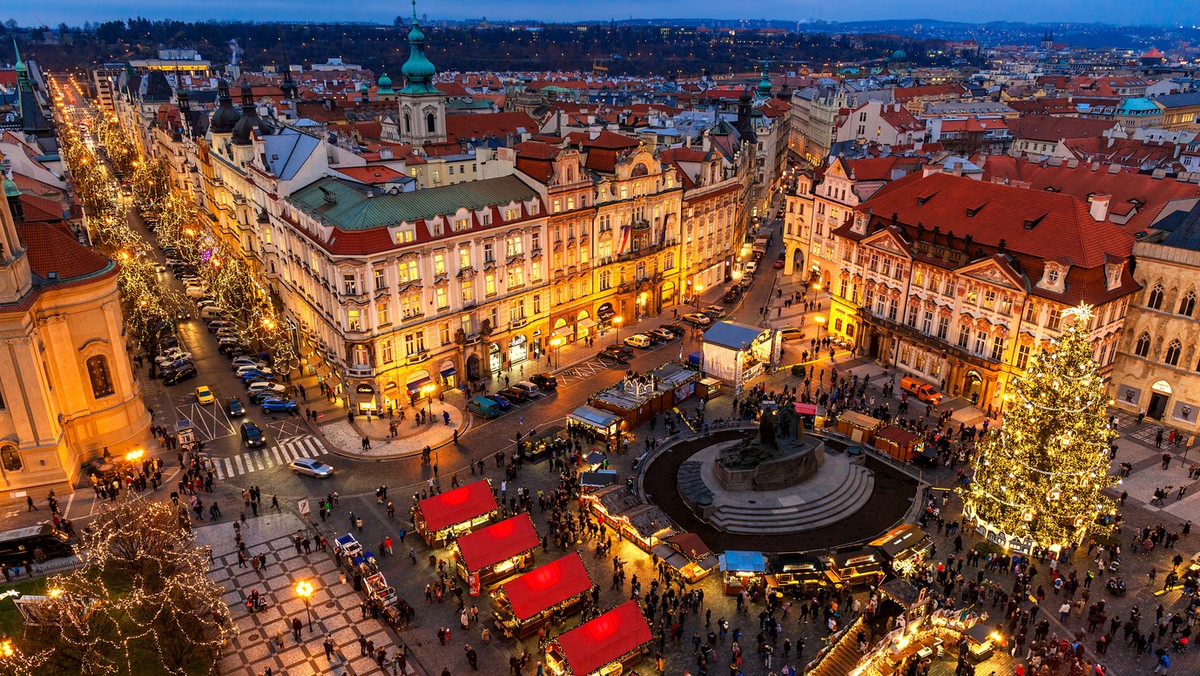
{"points": [[275, 454], [240, 469]]}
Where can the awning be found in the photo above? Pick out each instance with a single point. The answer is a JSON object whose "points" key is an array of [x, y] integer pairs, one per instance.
{"points": [[415, 385], [498, 542], [857, 419], [547, 586], [806, 409], [594, 417], [586, 323], [606, 312], [459, 505], [743, 562], [447, 372], [597, 479], [591, 645], [563, 332]]}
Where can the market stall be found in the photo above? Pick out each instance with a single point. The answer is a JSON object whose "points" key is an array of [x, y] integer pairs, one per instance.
{"points": [[445, 516], [858, 426], [813, 415], [904, 547], [558, 589], [600, 426], [709, 388], [619, 508], [899, 443], [495, 552], [591, 481], [739, 353], [639, 396], [687, 555], [855, 565], [743, 571], [606, 645], [797, 574], [548, 442]]}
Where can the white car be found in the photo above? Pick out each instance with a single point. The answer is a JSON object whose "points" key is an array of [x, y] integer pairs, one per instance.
{"points": [[247, 368], [311, 467], [697, 319], [238, 362], [170, 355], [638, 340], [751, 267], [264, 386]]}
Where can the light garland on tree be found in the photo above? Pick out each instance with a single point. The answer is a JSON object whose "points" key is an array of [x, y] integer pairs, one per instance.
{"points": [[1038, 480]]}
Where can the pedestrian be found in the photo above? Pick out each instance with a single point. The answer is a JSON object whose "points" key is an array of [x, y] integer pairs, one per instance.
{"points": [[328, 647], [472, 658], [297, 625]]}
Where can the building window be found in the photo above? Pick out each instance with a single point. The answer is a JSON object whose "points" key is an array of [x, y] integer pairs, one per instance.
{"points": [[350, 285], [440, 297], [912, 316], [386, 351], [1031, 312], [489, 284], [468, 292], [845, 288], [964, 335], [943, 329], [382, 315], [353, 320], [414, 343], [1022, 356], [11, 459], [489, 255], [997, 348], [980, 341], [927, 323], [439, 264], [444, 333], [1188, 304], [1142, 348], [537, 304], [605, 280], [380, 280], [1156, 297], [1173, 350], [1054, 319], [464, 258], [102, 385], [893, 308], [430, 123], [406, 271]]}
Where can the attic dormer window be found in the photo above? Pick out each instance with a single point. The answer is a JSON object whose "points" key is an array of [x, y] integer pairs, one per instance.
{"points": [[1052, 276]]}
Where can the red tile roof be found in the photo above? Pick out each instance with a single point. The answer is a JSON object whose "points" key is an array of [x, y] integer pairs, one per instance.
{"points": [[372, 175], [41, 209], [605, 139], [484, 125], [1053, 129], [52, 251]]}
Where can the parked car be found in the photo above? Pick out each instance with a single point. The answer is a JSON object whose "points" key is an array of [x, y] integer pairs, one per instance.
{"points": [[613, 353], [234, 350], [484, 407], [791, 333], [751, 267], [532, 391], [264, 386], [514, 394], [732, 295], [675, 328], [638, 340], [255, 376], [218, 324], [311, 467], [204, 395], [662, 334], [714, 311], [544, 381], [275, 405], [697, 319], [779, 262], [247, 368], [500, 400], [253, 436], [179, 375], [171, 354], [234, 407], [247, 361]]}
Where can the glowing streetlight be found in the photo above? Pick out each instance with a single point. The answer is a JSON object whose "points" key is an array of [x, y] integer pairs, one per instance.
{"points": [[617, 322], [304, 590], [557, 344], [134, 455], [696, 295], [820, 325]]}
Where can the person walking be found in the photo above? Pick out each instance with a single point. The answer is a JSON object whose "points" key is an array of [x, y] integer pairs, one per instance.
{"points": [[472, 658], [297, 625], [328, 647]]}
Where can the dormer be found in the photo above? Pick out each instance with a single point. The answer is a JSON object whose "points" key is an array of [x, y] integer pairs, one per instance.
{"points": [[859, 225], [1113, 273], [1054, 277]]}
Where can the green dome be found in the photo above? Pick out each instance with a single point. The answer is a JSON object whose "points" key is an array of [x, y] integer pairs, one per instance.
{"points": [[10, 188], [384, 81], [418, 71]]}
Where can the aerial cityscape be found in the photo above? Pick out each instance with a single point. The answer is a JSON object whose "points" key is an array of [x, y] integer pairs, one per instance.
{"points": [[558, 340]]}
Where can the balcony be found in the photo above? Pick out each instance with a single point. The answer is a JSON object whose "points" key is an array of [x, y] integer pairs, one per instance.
{"points": [[360, 371], [927, 341], [640, 224], [417, 357]]}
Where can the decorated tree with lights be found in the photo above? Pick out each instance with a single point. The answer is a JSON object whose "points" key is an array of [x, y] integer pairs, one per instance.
{"points": [[1038, 481]]}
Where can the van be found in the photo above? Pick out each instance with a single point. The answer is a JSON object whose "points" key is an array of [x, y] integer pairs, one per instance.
{"points": [[34, 543], [532, 391], [638, 340], [484, 407], [195, 292], [211, 313], [922, 390]]}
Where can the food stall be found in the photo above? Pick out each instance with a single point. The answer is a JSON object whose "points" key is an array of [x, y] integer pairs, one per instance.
{"points": [[601, 426], [855, 565], [813, 415], [605, 646], [525, 604], [638, 397], [858, 426], [904, 547], [545, 444], [495, 552], [687, 555], [709, 388], [982, 641], [899, 443], [739, 353], [743, 571], [797, 574], [591, 481], [442, 517], [619, 508]]}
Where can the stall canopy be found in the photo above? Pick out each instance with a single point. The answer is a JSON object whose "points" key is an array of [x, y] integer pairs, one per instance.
{"points": [[857, 419], [498, 542], [732, 335], [806, 409], [461, 504], [594, 417], [898, 436], [547, 586], [743, 562], [591, 645]]}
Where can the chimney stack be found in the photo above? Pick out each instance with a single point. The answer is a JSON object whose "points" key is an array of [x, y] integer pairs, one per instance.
{"points": [[1099, 207]]}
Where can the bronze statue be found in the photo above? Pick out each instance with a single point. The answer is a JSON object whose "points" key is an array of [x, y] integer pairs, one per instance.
{"points": [[766, 429]]}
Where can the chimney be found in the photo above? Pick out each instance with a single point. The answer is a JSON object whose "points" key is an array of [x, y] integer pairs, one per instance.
{"points": [[1099, 207]]}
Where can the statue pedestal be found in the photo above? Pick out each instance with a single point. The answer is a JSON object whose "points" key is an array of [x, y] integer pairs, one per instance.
{"points": [[788, 464]]}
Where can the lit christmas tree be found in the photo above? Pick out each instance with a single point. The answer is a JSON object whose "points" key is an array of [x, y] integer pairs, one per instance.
{"points": [[1038, 481]]}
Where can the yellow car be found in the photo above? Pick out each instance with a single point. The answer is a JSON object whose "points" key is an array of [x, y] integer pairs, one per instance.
{"points": [[204, 395]]}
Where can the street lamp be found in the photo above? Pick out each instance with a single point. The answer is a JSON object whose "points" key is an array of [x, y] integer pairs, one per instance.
{"points": [[304, 590], [820, 324], [696, 296], [617, 322], [556, 343]]}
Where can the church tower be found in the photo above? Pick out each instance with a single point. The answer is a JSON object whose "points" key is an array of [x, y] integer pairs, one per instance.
{"points": [[422, 106], [15, 278]]}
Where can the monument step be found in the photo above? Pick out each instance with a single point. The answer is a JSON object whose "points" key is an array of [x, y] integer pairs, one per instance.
{"points": [[855, 476], [848, 498]]}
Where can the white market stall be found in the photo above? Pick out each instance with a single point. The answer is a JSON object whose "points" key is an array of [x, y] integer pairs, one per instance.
{"points": [[738, 353]]}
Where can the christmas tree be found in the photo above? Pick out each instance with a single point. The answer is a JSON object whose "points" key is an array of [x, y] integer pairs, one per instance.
{"points": [[1038, 481]]}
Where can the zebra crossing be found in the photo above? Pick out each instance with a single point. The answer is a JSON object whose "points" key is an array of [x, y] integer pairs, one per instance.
{"points": [[282, 453]]}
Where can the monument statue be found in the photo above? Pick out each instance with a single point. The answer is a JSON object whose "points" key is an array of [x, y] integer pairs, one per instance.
{"points": [[776, 457], [766, 429]]}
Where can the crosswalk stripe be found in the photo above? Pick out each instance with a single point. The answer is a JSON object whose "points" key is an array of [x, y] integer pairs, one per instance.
{"points": [[275, 454], [218, 471], [288, 452], [228, 467], [258, 460], [313, 447], [267, 459], [240, 468]]}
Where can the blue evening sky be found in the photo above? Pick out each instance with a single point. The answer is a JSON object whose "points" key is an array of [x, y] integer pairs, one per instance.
{"points": [[29, 12]]}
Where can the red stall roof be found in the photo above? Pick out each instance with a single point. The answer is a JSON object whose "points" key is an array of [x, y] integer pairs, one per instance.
{"points": [[547, 586], [498, 542], [459, 505], [594, 644]]}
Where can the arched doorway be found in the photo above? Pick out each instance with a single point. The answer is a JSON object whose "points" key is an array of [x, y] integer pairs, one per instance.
{"points": [[495, 361], [972, 385], [518, 349], [667, 293], [1160, 394], [473, 367], [796, 260], [449, 374], [583, 325]]}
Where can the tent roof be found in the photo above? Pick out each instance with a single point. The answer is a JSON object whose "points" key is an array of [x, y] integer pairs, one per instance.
{"points": [[459, 505], [732, 335], [498, 542], [614, 634], [547, 586], [594, 416], [746, 562]]}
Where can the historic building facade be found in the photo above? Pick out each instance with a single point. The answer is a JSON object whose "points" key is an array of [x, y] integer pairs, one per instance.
{"points": [[958, 282], [68, 391]]}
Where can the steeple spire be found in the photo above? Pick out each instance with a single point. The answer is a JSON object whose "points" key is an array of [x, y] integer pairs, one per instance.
{"points": [[418, 71]]}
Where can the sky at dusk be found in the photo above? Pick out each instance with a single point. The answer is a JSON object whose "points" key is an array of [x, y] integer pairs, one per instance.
{"points": [[75, 12]]}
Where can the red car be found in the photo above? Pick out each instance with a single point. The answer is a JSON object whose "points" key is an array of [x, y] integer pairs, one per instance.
{"points": [[779, 261]]}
